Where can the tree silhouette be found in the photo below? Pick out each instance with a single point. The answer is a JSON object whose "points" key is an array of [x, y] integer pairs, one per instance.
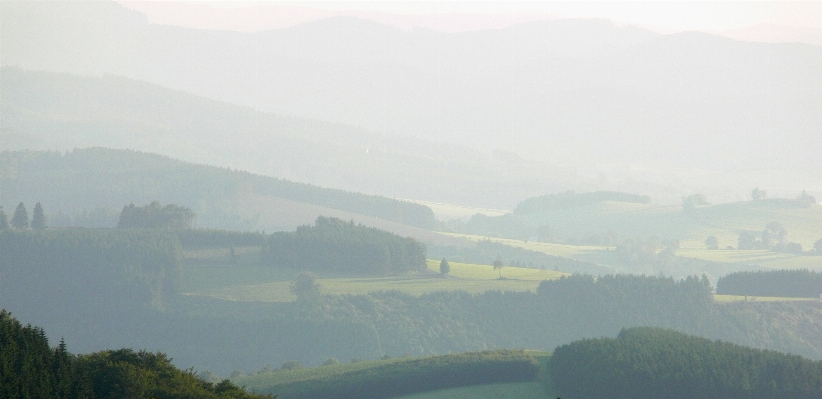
{"points": [[498, 265], [38, 219], [21, 217], [445, 268]]}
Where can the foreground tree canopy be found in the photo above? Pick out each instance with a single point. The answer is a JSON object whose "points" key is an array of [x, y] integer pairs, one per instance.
{"points": [[33, 370]]}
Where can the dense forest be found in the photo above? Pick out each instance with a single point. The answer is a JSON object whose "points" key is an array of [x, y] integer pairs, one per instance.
{"points": [[783, 283], [650, 362], [63, 274], [30, 369], [333, 244], [85, 179]]}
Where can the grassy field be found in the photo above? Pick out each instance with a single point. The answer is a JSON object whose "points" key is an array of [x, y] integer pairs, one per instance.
{"points": [[211, 273], [743, 298], [283, 382], [450, 211], [521, 390]]}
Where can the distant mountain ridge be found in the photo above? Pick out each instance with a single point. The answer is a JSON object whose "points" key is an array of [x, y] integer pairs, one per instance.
{"points": [[58, 111], [572, 90]]}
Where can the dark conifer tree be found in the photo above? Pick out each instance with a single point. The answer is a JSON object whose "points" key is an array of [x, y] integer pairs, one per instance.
{"points": [[38, 219], [445, 268], [21, 217]]}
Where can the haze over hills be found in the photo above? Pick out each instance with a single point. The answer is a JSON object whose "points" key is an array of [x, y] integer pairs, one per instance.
{"points": [[50, 111], [691, 110]]}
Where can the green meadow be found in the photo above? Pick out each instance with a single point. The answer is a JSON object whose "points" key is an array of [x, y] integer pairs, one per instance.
{"points": [[305, 382], [212, 273]]}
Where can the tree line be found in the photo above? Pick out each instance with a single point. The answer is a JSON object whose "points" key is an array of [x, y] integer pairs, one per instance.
{"points": [[802, 283], [20, 220], [652, 362], [335, 245], [30, 369]]}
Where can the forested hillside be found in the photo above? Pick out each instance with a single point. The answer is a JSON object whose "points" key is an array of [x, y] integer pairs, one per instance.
{"points": [[647, 362], [30, 369], [778, 283], [85, 179]]}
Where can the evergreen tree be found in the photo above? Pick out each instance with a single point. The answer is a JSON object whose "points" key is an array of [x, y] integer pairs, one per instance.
{"points": [[21, 217], [38, 219], [445, 268], [4, 221]]}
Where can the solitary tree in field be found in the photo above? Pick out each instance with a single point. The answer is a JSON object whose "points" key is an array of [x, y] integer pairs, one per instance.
{"points": [[20, 220], [445, 268], [38, 219], [498, 265], [817, 246], [4, 221], [712, 242]]}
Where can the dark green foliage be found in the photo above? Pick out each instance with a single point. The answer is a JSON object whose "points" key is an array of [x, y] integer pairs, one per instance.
{"points": [[305, 286], [98, 177], [656, 363], [126, 374], [404, 377], [445, 268], [209, 238], [62, 272], [30, 369], [781, 283], [155, 216], [20, 220], [38, 219], [571, 199], [332, 244], [613, 300]]}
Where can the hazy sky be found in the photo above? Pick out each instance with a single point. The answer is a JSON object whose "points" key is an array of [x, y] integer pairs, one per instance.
{"points": [[661, 15]]}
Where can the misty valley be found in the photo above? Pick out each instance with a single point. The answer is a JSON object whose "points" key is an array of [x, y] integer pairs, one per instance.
{"points": [[345, 209]]}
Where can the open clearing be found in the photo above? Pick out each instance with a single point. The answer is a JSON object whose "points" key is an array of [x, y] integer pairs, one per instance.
{"points": [[211, 273], [743, 298]]}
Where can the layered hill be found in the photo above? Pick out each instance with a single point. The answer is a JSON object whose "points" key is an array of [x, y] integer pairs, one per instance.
{"points": [[58, 111], [705, 109], [83, 180]]}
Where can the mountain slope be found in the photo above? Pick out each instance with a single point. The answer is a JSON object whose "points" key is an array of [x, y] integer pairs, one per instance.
{"points": [[583, 92], [49, 111]]}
